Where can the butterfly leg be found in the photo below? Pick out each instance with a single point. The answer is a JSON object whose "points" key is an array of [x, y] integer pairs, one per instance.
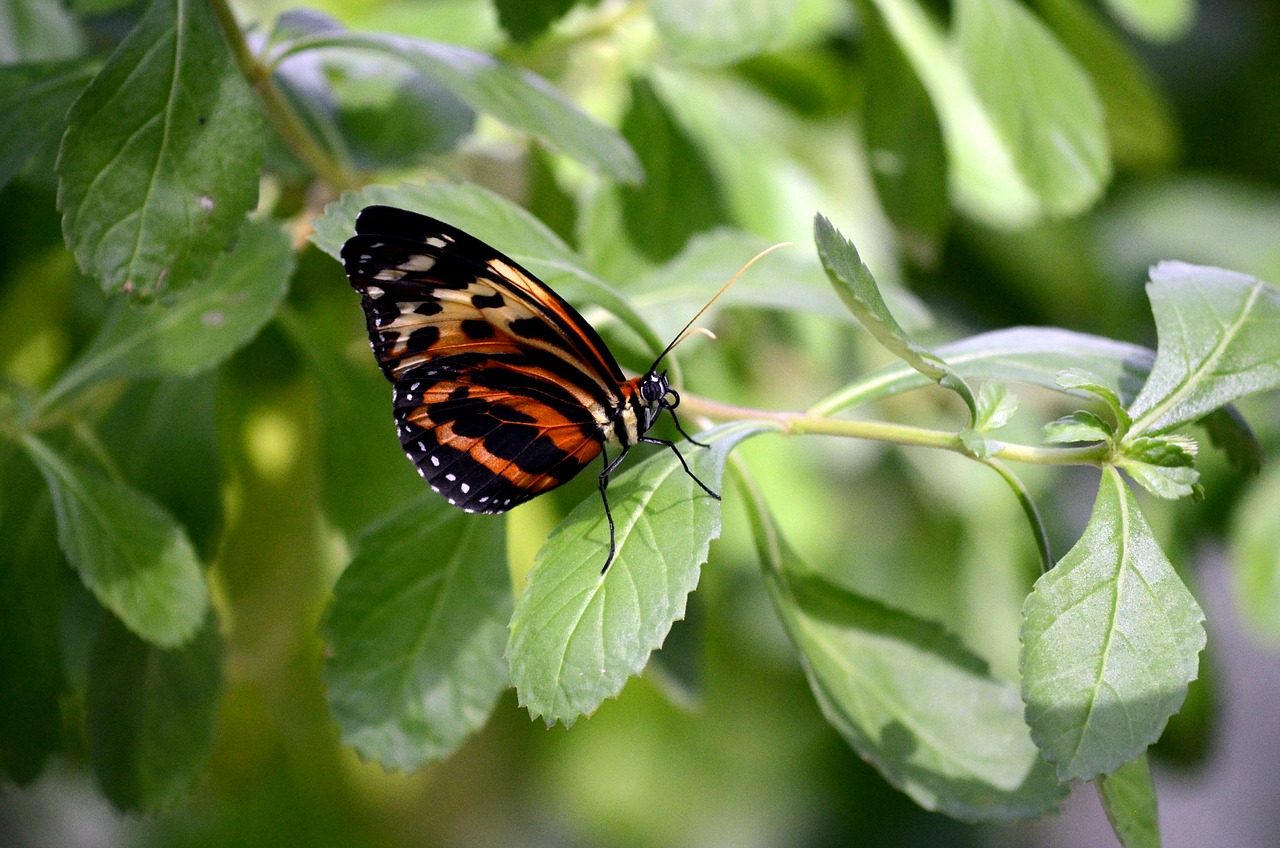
{"points": [[609, 468], [651, 441], [670, 406]]}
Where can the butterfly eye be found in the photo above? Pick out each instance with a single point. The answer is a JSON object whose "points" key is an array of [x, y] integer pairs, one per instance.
{"points": [[654, 388]]}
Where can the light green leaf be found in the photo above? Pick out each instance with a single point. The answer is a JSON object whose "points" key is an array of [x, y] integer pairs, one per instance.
{"points": [[516, 97], [161, 157], [1163, 465], [577, 634], [857, 288], [720, 32], [36, 31], [995, 406], [1128, 796], [1155, 20], [496, 221], [1111, 639], [1079, 380], [416, 633], [907, 696], [1079, 426], [34, 100], [1255, 545], [1219, 340], [131, 554], [149, 714], [196, 329]]}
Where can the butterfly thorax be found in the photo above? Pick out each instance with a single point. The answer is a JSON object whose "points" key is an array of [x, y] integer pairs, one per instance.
{"points": [[643, 398]]}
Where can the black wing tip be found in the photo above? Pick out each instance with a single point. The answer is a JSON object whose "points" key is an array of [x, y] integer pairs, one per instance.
{"points": [[394, 221]]}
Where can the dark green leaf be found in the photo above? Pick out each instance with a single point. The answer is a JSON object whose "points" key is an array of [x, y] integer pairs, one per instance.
{"points": [[716, 32], [1219, 335], [34, 100], [1129, 798], [857, 288], [417, 628], [907, 696], [149, 714], [1230, 433], [680, 196], [515, 97], [36, 31], [1110, 639], [31, 675], [160, 161], [196, 329], [525, 20], [577, 634], [131, 554]]}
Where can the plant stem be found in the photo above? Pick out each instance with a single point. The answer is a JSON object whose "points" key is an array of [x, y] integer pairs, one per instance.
{"points": [[278, 110]]}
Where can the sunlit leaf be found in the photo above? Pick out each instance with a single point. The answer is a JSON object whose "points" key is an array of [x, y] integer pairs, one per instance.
{"points": [[160, 161], [149, 714], [131, 554], [1111, 638], [1129, 798], [1157, 20], [719, 32], [577, 634], [1219, 335], [416, 633]]}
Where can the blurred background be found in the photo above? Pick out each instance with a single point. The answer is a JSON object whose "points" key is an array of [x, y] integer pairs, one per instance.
{"points": [[721, 742]]}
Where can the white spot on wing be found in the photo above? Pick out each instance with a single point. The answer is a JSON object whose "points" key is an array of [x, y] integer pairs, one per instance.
{"points": [[389, 274], [419, 262]]}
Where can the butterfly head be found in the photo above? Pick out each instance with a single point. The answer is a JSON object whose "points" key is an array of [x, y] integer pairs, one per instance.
{"points": [[656, 395]]}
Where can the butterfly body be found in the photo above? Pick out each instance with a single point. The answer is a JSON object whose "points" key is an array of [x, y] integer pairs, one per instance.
{"points": [[502, 390]]}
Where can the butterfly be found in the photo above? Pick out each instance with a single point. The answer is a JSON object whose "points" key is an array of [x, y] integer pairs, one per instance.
{"points": [[502, 391]]}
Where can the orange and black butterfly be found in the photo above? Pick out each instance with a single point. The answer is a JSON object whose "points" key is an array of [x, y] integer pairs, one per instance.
{"points": [[502, 390]]}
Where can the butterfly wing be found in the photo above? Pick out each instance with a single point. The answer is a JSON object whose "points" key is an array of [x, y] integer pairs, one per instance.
{"points": [[502, 391]]}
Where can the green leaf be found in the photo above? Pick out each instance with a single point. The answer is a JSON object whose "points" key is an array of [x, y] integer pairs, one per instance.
{"points": [[1219, 340], [149, 714], [34, 100], [857, 288], [720, 32], [498, 222], [1110, 640], [525, 20], [1128, 796], [1155, 20], [518, 98], [1140, 122], [31, 668], [36, 31], [1079, 426], [416, 632], [577, 634], [907, 696], [1255, 545], [160, 160], [196, 329], [680, 196], [131, 554], [995, 406], [1079, 380]]}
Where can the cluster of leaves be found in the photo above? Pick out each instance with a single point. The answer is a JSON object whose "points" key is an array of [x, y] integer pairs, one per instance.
{"points": [[1008, 117]]}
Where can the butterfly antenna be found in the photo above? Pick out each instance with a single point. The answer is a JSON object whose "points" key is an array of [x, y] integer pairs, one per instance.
{"points": [[685, 332]]}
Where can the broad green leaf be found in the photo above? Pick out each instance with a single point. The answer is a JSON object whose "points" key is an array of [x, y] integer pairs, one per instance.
{"points": [[1219, 340], [525, 20], [857, 288], [31, 668], [196, 329], [995, 406], [680, 196], [496, 221], [161, 157], [34, 100], [1079, 380], [577, 634], [1155, 20], [1079, 426], [1140, 123], [416, 632], [1255, 545], [518, 98], [149, 714], [1111, 638], [1128, 796], [907, 695], [1040, 100], [131, 554], [720, 32], [36, 31], [904, 139]]}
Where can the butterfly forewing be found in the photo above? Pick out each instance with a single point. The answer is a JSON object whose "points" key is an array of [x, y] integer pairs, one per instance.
{"points": [[501, 390]]}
